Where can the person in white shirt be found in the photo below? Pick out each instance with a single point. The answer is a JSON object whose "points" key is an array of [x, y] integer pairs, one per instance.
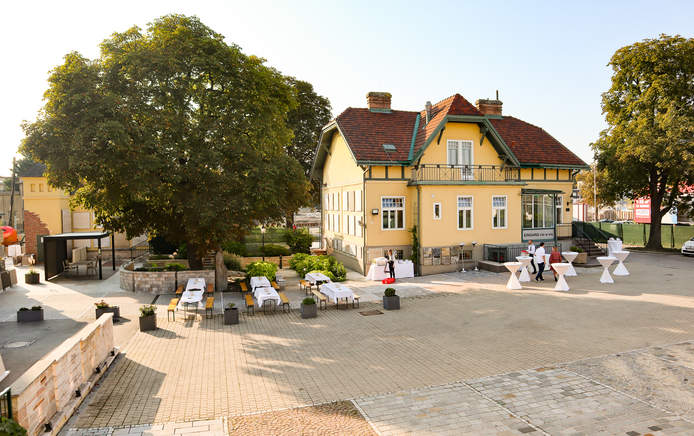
{"points": [[531, 253], [540, 259]]}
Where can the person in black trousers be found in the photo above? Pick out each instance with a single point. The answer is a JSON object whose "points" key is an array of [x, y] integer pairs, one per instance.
{"points": [[540, 257], [391, 264]]}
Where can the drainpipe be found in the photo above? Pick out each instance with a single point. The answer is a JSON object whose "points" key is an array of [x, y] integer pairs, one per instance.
{"points": [[419, 228], [363, 218]]}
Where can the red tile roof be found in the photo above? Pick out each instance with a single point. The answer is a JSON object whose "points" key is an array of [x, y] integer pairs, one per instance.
{"points": [[531, 144], [367, 131]]}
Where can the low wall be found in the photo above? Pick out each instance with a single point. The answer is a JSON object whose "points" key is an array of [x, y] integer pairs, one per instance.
{"points": [[245, 261], [46, 392], [163, 282]]}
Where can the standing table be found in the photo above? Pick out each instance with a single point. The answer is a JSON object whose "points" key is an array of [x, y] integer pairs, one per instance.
{"points": [[524, 261], [561, 269], [513, 282], [606, 261], [570, 256], [621, 270]]}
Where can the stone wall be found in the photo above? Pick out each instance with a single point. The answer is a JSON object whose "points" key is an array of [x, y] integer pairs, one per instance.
{"points": [[46, 392], [164, 282]]}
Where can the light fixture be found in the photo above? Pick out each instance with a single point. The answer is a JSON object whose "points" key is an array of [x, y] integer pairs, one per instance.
{"points": [[374, 211]]}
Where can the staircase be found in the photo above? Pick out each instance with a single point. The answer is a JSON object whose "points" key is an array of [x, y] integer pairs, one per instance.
{"points": [[208, 261], [589, 246]]}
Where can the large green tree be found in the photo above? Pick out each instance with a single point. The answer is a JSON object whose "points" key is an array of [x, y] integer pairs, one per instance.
{"points": [[171, 132], [648, 148]]}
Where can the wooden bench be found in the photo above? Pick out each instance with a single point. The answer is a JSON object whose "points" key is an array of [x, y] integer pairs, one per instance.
{"points": [[250, 304], [285, 302], [210, 288], [209, 307], [275, 285], [304, 285], [179, 290], [172, 308], [355, 299], [322, 299], [244, 287]]}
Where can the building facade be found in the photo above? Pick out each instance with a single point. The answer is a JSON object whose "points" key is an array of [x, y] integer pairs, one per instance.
{"points": [[451, 174]]}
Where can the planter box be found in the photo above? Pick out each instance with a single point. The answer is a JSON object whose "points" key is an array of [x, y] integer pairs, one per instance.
{"points": [[581, 258], [115, 310], [29, 315], [231, 316], [309, 310], [148, 323], [391, 303], [32, 279]]}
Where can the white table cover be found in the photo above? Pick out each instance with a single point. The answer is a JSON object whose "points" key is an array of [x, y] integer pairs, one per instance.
{"points": [[266, 293], [191, 297], [620, 270], [613, 245], [317, 277], [195, 283], [524, 261], [14, 250], [260, 282], [513, 282], [336, 291], [561, 269], [606, 261], [403, 269], [570, 256]]}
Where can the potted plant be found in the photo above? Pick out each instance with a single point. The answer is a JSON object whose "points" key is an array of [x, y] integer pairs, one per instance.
{"points": [[32, 277], [582, 255], [103, 307], [148, 317], [231, 314], [309, 308], [390, 300], [25, 314]]}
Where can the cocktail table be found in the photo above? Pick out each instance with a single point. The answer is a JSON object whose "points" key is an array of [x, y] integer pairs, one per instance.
{"points": [[513, 282], [621, 270], [524, 261], [570, 256], [561, 269], [606, 261]]}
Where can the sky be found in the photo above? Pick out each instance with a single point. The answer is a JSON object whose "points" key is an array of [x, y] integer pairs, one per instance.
{"points": [[548, 60]]}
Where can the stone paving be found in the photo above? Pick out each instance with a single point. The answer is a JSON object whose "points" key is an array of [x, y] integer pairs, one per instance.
{"points": [[212, 427]]}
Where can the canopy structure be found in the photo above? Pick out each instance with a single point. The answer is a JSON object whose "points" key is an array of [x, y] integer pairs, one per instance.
{"points": [[55, 250]]}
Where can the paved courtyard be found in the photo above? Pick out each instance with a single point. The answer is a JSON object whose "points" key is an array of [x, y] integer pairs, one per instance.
{"points": [[456, 333]]}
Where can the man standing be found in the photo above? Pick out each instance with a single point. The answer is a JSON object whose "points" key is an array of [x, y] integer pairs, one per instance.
{"points": [[531, 253], [540, 259]]}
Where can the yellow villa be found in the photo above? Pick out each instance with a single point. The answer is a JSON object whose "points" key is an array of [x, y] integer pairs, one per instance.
{"points": [[453, 174]]}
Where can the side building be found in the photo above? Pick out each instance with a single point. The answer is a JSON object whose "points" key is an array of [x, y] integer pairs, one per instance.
{"points": [[452, 174]]}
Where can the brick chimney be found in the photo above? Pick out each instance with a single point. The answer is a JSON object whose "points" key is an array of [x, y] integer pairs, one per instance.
{"points": [[489, 107], [378, 101]]}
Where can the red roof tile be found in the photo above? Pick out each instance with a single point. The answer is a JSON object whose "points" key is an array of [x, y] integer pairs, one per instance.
{"points": [[367, 131], [531, 144]]}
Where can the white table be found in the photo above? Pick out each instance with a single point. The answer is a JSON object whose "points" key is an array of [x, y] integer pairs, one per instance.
{"points": [[403, 269], [336, 291], [260, 282], [524, 261], [613, 245], [621, 270], [561, 269], [263, 294], [513, 282], [606, 261], [195, 283], [570, 256], [316, 277]]}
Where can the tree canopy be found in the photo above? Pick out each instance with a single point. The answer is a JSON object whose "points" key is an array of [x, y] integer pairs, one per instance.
{"points": [[171, 132], [648, 148], [586, 179]]}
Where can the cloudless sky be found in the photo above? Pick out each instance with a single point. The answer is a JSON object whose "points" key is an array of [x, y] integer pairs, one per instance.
{"points": [[547, 59]]}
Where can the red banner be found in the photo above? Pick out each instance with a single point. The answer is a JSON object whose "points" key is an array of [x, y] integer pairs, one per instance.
{"points": [[642, 210]]}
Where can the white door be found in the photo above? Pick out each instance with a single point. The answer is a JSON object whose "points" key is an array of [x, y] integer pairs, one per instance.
{"points": [[460, 155]]}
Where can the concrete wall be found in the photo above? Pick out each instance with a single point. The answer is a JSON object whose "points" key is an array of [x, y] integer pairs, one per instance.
{"points": [[164, 282], [46, 391]]}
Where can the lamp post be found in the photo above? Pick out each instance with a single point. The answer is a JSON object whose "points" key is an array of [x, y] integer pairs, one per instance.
{"points": [[474, 259], [462, 257], [262, 231]]}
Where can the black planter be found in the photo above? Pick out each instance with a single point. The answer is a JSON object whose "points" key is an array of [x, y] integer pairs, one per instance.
{"points": [[391, 303], [29, 315], [231, 316], [148, 322], [115, 310], [32, 278], [309, 310]]}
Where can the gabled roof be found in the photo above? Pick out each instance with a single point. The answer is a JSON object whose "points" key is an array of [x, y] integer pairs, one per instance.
{"points": [[453, 105], [532, 144]]}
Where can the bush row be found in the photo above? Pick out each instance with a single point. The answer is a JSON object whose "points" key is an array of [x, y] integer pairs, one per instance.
{"points": [[328, 265]]}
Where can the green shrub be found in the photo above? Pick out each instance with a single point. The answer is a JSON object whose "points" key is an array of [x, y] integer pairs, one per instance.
{"points": [[257, 269], [296, 258], [328, 265], [389, 292], [325, 272], [176, 267], [230, 306], [232, 262], [147, 310], [36, 307], [299, 240], [23, 309], [308, 301], [9, 427], [235, 247], [275, 250], [576, 249], [159, 257], [160, 245], [182, 252]]}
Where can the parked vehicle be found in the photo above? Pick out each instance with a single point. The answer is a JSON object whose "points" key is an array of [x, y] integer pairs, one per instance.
{"points": [[688, 247]]}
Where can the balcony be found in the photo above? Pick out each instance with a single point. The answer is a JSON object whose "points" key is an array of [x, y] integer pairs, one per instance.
{"points": [[431, 174]]}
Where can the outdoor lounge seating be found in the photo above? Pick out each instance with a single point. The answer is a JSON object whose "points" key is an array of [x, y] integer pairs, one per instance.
{"points": [[322, 299], [69, 266], [244, 287], [275, 285], [209, 307], [285, 301], [172, 308], [355, 299], [179, 290], [250, 305], [305, 285], [210, 288]]}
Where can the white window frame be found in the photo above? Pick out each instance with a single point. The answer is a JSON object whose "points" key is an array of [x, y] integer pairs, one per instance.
{"points": [[345, 201], [472, 212], [505, 209], [403, 208], [357, 200], [465, 174], [559, 209], [436, 216]]}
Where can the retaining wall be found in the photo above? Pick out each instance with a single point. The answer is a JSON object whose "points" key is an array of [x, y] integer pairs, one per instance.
{"points": [[164, 282]]}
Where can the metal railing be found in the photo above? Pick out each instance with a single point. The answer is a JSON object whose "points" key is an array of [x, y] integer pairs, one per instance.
{"points": [[502, 253], [464, 173], [584, 230], [140, 249], [6, 403]]}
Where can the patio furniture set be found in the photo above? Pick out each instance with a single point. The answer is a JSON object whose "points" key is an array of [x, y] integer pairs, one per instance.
{"points": [[327, 289], [192, 294]]}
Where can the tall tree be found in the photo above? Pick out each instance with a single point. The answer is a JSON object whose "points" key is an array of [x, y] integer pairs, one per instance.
{"points": [[170, 132], [588, 179], [306, 120], [648, 148], [25, 167]]}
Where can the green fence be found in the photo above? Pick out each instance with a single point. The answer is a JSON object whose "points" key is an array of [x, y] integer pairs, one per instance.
{"points": [[672, 236]]}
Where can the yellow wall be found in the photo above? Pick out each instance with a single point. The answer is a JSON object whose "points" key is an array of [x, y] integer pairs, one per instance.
{"points": [[375, 189], [44, 201], [485, 154], [340, 168]]}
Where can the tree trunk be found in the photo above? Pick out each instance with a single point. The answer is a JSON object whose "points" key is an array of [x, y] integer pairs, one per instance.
{"points": [[195, 256], [220, 271], [654, 235], [289, 218]]}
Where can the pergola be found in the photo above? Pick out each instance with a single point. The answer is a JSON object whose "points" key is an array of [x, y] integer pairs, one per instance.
{"points": [[55, 250]]}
